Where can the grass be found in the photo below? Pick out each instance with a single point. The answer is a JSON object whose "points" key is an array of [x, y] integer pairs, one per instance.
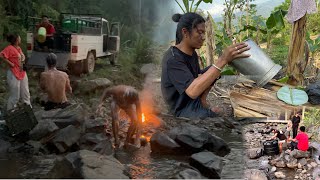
{"points": [[279, 54]]}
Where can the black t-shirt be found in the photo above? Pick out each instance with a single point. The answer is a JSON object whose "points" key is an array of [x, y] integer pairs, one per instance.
{"points": [[295, 121], [281, 135], [178, 72]]}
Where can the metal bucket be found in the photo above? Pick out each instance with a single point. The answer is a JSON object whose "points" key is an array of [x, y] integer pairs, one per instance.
{"points": [[258, 67]]}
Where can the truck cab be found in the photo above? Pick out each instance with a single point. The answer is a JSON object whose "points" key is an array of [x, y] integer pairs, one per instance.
{"points": [[79, 40]]}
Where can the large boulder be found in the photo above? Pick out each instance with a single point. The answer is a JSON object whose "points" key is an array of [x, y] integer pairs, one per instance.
{"points": [[162, 143], [90, 86], [255, 174], [65, 138], [43, 128], [208, 164], [72, 115], [255, 153], [313, 91], [92, 165], [48, 167], [196, 139], [293, 163]]}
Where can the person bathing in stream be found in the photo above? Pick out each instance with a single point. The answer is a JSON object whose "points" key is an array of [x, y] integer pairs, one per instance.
{"points": [[183, 84], [125, 98], [55, 84]]}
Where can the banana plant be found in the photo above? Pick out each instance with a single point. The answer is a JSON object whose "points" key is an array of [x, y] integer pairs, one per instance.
{"points": [[272, 26], [191, 7], [314, 47]]}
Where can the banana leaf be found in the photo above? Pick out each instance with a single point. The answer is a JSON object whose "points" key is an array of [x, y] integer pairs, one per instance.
{"points": [[292, 96]]}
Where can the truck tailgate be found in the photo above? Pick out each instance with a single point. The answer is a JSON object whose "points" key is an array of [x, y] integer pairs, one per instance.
{"points": [[38, 60]]}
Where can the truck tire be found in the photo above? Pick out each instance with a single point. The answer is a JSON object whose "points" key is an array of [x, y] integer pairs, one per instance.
{"points": [[89, 63]]}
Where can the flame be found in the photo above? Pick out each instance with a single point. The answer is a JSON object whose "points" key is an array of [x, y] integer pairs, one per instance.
{"points": [[143, 118], [142, 136]]}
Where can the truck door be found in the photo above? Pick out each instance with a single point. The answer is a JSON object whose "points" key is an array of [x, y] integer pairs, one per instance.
{"points": [[114, 38], [105, 34]]}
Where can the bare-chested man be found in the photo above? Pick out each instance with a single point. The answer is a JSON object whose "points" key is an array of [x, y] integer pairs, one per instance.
{"points": [[126, 98], [55, 83]]}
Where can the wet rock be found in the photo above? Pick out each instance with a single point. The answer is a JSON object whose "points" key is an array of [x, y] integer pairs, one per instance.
{"points": [[189, 174], [300, 154], [71, 115], [4, 146], [313, 91], [273, 169], [89, 164], [207, 163], [36, 146], [279, 175], [42, 129], [255, 174], [65, 138], [93, 138], [196, 139], [162, 143], [48, 167], [293, 163], [90, 86], [97, 125], [255, 153], [302, 162]]}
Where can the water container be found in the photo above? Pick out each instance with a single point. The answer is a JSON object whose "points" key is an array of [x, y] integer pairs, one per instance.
{"points": [[258, 67], [271, 147], [42, 33]]}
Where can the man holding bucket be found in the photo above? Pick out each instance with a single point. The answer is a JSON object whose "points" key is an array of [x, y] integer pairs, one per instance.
{"points": [[45, 34]]}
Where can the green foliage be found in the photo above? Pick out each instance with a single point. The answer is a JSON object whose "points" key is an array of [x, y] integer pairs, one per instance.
{"points": [[312, 121], [314, 45], [279, 54], [292, 96], [284, 79], [228, 70], [191, 7]]}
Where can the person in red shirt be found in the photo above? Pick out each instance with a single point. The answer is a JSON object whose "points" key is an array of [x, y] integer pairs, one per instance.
{"points": [[50, 32], [302, 139], [16, 77]]}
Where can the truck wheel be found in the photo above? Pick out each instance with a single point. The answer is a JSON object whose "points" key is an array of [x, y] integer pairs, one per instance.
{"points": [[113, 59], [89, 63]]}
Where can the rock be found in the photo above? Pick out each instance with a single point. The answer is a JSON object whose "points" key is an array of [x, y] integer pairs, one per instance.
{"points": [[309, 166], [189, 174], [65, 138], [279, 175], [273, 169], [196, 139], [93, 138], [162, 143], [207, 163], [71, 115], [4, 146], [313, 91], [300, 154], [302, 162], [48, 167], [43, 128], [91, 86], [89, 164], [97, 125], [292, 164], [316, 173], [313, 164], [280, 164], [255, 153], [36, 145], [104, 147], [303, 171], [254, 174]]}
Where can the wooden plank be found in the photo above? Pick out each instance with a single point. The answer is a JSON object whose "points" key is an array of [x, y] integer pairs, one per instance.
{"points": [[242, 112], [257, 120]]}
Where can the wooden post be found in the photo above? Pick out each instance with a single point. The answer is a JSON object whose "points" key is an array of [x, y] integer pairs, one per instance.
{"points": [[286, 115], [302, 114]]}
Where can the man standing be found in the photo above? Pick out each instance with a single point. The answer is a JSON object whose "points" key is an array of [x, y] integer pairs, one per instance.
{"points": [[295, 124], [50, 32], [55, 83]]}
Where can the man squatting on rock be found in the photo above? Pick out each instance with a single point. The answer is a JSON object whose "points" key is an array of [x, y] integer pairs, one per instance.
{"points": [[127, 99]]}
